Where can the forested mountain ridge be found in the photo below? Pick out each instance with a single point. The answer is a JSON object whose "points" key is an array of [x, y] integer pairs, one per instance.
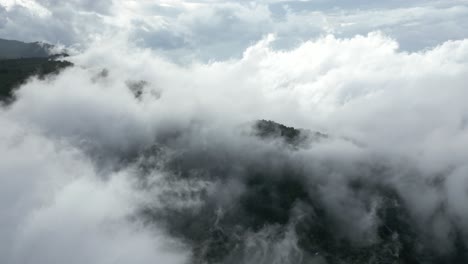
{"points": [[19, 61]]}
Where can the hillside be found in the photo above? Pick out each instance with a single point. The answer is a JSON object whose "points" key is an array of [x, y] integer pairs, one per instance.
{"points": [[13, 49], [19, 61], [14, 72]]}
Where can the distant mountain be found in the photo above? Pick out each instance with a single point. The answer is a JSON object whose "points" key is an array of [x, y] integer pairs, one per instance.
{"points": [[13, 49]]}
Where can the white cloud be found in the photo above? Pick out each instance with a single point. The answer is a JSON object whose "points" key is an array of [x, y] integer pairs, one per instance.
{"points": [[364, 86], [56, 208], [65, 179], [184, 30]]}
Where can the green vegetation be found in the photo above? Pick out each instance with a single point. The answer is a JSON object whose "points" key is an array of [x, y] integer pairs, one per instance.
{"points": [[20, 61], [14, 72]]}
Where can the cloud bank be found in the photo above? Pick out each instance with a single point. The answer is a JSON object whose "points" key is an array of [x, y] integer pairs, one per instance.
{"points": [[130, 157], [147, 150], [218, 30]]}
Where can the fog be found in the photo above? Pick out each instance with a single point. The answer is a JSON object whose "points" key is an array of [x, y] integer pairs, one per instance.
{"points": [[148, 154], [155, 147]]}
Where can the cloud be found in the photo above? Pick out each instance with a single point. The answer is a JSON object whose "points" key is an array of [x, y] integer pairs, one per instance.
{"points": [[144, 151], [214, 30], [362, 86], [55, 208], [180, 157]]}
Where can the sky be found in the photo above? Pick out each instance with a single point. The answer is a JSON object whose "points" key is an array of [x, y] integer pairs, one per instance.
{"points": [[385, 80], [212, 30]]}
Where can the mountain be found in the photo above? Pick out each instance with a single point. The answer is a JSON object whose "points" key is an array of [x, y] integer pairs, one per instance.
{"points": [[268, 129], [14, 72], [263, 204], [13, 49], [20, 61]]}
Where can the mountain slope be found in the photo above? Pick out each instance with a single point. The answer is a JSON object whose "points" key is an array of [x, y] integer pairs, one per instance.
{"points": [[13, 49], [19, 61], [14, 72]]}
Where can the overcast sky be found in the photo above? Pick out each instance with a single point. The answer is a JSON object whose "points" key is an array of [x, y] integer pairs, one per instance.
{"points": [[223, 29]]}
